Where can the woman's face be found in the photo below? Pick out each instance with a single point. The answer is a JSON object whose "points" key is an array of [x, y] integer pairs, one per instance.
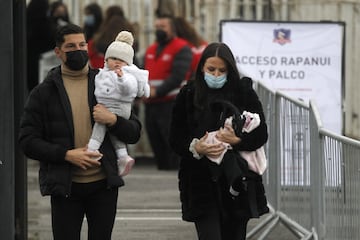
{"points": [[60, 11], [215, 66]]}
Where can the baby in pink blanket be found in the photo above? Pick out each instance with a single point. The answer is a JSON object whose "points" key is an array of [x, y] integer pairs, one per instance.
{"points": [[233, 173]]}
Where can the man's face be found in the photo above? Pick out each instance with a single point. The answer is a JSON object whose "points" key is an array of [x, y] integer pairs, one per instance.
{"points": [[72, 42], [165, 25]]}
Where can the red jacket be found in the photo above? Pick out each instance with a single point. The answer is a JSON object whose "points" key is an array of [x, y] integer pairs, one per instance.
{"points": [[96, 59], [161, 68], [197, 52]]}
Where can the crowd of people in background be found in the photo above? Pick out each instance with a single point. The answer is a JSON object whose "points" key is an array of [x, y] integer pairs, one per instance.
{"points": [[101, 26]]}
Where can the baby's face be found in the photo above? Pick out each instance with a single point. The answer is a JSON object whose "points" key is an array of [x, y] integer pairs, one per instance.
{"points": [[115, 63]]}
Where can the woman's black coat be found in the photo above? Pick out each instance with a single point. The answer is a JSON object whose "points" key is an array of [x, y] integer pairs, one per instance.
{"points": [[199, 189]]}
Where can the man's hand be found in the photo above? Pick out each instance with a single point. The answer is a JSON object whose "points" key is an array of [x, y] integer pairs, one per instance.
{"points": [[152, 92], [82, 158], [103, 116]]}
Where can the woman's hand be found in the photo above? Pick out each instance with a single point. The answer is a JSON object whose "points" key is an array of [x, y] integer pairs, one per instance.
{"points": [[209, 149], [227, 135], [102, 115]]}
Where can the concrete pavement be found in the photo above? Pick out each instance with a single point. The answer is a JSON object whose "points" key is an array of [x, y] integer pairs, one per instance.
{"points": [[148, 208]]}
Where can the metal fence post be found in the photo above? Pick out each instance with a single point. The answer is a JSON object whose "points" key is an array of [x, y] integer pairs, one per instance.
{"points": [[316, 173], [277, 153]]}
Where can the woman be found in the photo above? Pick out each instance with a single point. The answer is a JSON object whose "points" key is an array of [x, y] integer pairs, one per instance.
{"points": [[59, 15], [197, 44], [92, 20], [204, 190], [114, 22]]}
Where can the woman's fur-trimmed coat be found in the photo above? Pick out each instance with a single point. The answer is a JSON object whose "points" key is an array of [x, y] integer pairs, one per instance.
{"points": [[201, 182]]}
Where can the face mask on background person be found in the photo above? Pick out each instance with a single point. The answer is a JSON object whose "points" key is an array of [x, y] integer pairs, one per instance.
{"points": [[161, 36], [215, 82], [61, 20], [89, 20], [76, 60]]}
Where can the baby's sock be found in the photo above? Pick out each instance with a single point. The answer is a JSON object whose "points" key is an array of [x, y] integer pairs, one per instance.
{"points": [[93, 145], [121, 153]]}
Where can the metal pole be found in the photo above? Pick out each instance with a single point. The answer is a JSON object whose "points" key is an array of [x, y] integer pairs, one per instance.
{"points": [[259, 9], [284, 10], [276, 155], [7, 138], [317, 173], [19, 90]]}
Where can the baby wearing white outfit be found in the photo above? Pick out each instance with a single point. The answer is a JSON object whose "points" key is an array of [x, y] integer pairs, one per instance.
{"points": [[116, 87]]}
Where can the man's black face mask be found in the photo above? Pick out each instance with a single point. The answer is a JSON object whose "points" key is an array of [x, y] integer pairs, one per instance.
{"points": [[161, 37], [76, 60]]}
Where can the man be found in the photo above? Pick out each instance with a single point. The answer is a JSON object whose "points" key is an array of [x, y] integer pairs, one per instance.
{"points": [[168, 61], [54, 129]]}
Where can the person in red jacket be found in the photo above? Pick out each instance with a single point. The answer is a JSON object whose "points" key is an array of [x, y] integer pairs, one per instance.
{"points": [[168, 61]]}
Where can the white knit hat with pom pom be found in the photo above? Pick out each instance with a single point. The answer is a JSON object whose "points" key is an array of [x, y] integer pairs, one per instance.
{"points": [[122, 48]]}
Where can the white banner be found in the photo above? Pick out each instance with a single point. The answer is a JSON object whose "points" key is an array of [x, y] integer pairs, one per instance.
{"points": [[301, 59]]}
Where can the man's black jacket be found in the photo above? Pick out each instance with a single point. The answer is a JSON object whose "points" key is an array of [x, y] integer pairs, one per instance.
{"points": [[47, 132]]}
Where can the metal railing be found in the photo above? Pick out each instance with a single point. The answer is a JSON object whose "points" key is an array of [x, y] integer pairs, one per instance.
{"points": [[312, 182]]}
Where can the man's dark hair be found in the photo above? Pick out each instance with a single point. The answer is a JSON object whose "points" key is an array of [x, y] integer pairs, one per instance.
{"points": [[170, 18], [66, 30]]}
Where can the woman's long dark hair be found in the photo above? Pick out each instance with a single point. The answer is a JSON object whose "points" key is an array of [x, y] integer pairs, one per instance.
{"points": [[232, 85], [109, 30], [186, 31]]}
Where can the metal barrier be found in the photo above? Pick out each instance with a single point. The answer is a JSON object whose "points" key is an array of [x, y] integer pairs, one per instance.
{"points": [[338, 181], [313, 174]]}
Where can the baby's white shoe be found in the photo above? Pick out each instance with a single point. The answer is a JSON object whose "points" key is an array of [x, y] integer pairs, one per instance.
{"points": [[125, 165]]}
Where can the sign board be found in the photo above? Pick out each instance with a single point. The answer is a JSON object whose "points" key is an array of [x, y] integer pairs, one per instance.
{"points": [[304, 60]]}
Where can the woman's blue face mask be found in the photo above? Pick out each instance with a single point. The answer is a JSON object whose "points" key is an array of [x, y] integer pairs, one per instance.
{"points": [[89, 20], [215, 82]]}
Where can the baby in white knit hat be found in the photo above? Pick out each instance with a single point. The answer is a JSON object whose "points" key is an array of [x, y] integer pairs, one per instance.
{"points": [[116, 87]]}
